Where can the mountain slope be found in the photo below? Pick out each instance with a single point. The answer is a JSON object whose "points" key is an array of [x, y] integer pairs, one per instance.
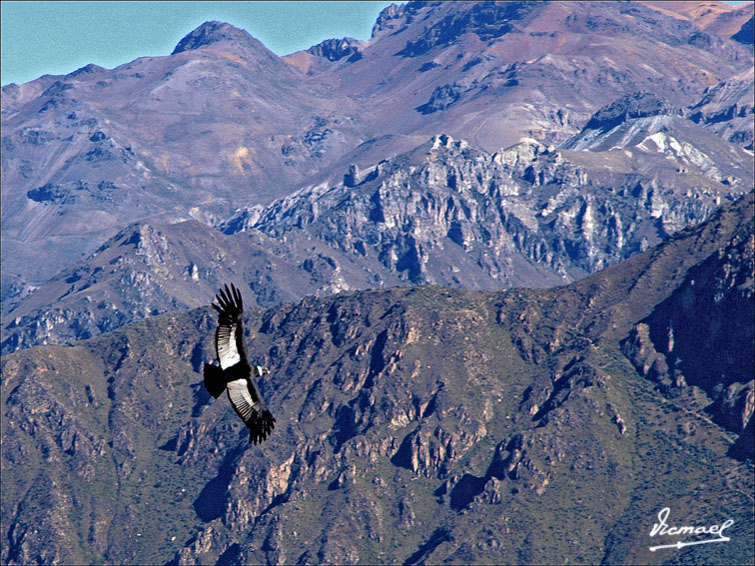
{"points": [[727, 109], [165, 138], [713, 17], [493, 73], [222, 121], [445, 213], [150, 269], [415, 425]]}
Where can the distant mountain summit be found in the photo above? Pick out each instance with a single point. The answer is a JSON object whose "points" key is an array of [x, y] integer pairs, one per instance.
{"points": [[210, 33]]}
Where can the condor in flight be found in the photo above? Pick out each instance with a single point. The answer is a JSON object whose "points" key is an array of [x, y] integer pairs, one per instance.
{"points": [[235, 374]]}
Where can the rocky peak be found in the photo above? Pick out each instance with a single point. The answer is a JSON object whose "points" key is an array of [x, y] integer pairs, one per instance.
{"points": [[487, 20], [87, 70], [336, 49], [447, 142], [635, 105], [386, 20], [216, 32]]}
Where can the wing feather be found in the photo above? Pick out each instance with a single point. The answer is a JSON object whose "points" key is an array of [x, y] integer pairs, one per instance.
{"points": [[243, 404], [229, 336], [225, 346], [247, 402]]}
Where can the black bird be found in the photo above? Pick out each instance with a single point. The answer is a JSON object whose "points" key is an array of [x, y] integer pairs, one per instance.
{"points": [[235, 374]]}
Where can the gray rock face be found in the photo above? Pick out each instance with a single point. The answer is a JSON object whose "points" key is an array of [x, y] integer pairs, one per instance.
{"points": [[444, 214], [727, 109], [527, 215]]}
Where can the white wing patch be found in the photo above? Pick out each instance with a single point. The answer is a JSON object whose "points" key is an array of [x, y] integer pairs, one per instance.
{"points": [[225, 344], [241, 400]]}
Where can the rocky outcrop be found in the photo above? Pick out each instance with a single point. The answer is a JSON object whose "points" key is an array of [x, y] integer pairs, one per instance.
{"points": [[648, 361], [441, 98], [694, 339], [727, 109], [635, 105], [337, 49], [445, 214]]}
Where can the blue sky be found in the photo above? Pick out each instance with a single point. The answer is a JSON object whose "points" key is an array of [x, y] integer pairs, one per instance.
{"points": [[40, 38], [56, 38]]}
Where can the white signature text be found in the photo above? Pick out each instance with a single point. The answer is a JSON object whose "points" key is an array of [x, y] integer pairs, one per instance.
{"points": [[663, 529]]}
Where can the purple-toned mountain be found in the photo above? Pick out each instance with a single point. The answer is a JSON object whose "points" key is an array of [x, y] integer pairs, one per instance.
{"points": [[717, 18], [728, 109], [223, 121], [445, 213], [494, 72], [165, 138]]}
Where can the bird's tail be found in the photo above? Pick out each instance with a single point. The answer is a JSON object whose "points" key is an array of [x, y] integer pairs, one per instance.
{"points": [[261, 429], [214, 380]]}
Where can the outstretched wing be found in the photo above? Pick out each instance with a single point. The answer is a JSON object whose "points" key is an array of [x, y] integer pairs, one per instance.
{"points": [[249, 406], [229, 336], [235, 374]]}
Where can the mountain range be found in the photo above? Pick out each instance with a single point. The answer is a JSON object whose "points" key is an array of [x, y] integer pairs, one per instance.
{"points": [[444, 214], [565, 118], [499, 259], [415, 425]]}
